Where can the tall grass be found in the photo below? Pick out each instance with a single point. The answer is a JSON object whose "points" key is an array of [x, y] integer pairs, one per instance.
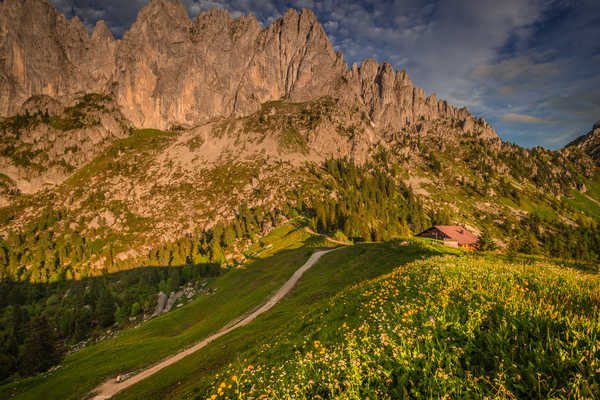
{"points": [[446, 327]]}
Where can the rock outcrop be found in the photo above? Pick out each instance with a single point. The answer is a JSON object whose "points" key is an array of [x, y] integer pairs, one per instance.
{"points": [[589, 143], [161, 303], [44, 53], [49, 141], [171, 71]]}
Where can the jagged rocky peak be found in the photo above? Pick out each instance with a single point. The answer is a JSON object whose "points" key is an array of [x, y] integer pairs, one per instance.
{"points": [[393, 103], [45, 54], [168, 13], [102, 33], [169, 70], [307, 62], [160, 23]]}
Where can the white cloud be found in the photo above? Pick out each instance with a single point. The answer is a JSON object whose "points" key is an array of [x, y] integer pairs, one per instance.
{"points": [[330, 25], [526, 119], [523, 69]]}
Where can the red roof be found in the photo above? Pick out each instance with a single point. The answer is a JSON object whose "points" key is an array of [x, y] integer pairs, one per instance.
{"points": [[458, 233]]}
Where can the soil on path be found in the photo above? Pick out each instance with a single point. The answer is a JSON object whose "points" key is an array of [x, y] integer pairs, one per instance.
{"points": [[307, 229], [112, 387], [592, 199]]}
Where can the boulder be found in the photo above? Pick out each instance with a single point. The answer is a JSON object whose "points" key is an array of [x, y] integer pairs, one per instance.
{"points": [[160, 305]]}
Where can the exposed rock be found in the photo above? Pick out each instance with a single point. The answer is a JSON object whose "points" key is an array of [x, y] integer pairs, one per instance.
{"points": [[172, 300], [55, 147], [171, 71], [189, 291], [589, 143], [44, 53], [41, 103], [160, 304]]}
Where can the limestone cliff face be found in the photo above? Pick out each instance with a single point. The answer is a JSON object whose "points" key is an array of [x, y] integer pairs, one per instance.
{"points": [[41, 152], [169, 70], [43, 53], [173, 71]]}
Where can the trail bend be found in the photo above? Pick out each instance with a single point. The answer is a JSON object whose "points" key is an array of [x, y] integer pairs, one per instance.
{"points": [[111, 387]]}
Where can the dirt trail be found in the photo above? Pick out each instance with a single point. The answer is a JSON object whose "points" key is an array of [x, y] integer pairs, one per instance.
{"points": [[592, 199], [307, 229], [112, 387]]}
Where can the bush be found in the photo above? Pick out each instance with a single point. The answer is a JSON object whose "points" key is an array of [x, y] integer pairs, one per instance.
{"points": [[135, 309], [39, 351], [486, 242]]}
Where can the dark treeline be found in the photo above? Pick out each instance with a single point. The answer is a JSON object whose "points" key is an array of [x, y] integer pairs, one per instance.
{"points": [[533, 235], [39, 322], [49, 249], [247, 225], [366, 204]]}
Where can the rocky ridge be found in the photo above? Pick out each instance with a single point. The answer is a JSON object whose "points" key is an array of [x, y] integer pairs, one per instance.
{"points": [[170, 71], [48, 141], [589, 143]]}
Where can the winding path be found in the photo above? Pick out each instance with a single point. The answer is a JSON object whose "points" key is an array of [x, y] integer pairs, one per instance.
{"points": [[112, 387]]}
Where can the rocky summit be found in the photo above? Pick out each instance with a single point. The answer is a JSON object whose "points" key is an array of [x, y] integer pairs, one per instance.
{"points": [[171, 71], [589, 143]]}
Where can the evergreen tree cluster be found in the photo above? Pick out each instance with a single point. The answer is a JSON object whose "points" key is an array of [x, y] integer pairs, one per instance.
{"points": [[211, 246], [48, 250], [38, 322], [536, 236], [366, 204]]}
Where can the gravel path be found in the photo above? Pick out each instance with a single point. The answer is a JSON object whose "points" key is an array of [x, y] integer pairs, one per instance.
{"points": [[112, 387]]}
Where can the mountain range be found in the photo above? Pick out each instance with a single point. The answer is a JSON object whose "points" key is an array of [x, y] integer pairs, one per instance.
{"points": [[160, 191], [167, 132], [170, 71]]}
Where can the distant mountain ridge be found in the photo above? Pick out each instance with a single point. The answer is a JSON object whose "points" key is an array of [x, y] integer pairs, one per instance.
{"points": [[589, 143], [171, 71]]}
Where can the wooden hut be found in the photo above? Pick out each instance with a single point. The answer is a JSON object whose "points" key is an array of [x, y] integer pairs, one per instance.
{"points": [[452, 235]]}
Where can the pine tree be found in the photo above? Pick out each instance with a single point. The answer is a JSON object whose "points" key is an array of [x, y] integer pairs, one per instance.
{"points": [[217, 233], [105, 309], [486, 242], [216, 253], [39, 351]]}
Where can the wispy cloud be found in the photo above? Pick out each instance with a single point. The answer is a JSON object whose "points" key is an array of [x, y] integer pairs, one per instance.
{"points": [[526, 119], [520, 71]]}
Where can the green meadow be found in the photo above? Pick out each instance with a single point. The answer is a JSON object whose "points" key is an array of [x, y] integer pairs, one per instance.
{"points": [[474, 326], [237, 292], [398, 319], [408, 320]]}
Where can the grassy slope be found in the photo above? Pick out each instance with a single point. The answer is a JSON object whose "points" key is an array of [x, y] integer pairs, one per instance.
{"points": [[582, 201], [477, 326], [238, 291], [331, 275], [473, 208], [479, 301]]}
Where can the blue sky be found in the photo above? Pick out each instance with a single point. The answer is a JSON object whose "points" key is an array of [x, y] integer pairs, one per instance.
{"points": [[530, 68]]}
